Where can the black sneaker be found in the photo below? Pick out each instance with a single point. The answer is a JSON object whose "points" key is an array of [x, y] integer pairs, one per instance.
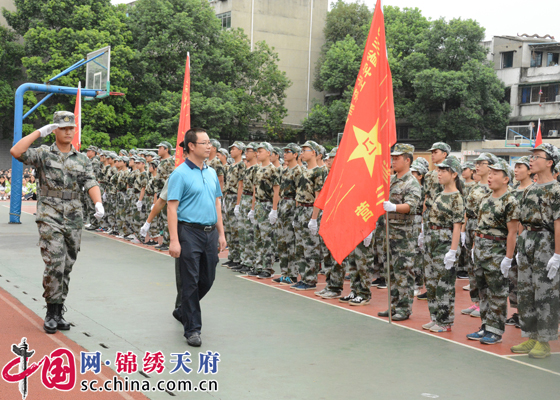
{"points": [[346, 299], [306, 286], [462, 275], [423, 296], [164, 248], [321, 272], [378, 281], [151, 243], [244, 269], [347, 277], [252, 272], [277, 280], [229, 262], [237, 268], [264, 274], [233, 265], [513, 320], [382, 285]]}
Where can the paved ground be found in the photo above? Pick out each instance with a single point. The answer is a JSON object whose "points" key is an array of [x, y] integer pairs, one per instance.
{"points": [[273, 344]]}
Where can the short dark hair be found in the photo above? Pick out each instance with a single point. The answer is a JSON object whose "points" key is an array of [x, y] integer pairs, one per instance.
{"points": [[409, 156], [191, 137]]}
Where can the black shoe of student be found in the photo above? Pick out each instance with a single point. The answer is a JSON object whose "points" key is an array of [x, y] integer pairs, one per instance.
{"points": [[378, 281], [462, 275], [513, 320], [423, 296], [244, 269], [229, 262], [61, 323], [177, 315], [264, 274], [164, 247], [50, 319], [253, 272], [235, 267], [194, 340], [347, 277], [92, 228], [384, 313], [382, 284]]}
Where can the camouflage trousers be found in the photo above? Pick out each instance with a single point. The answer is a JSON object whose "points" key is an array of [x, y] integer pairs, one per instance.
{"points": [[59, 250], [231, 228], [401, 251], [512, 275], [440, 282], [138, 216], [469, 242], [162, 225], [418, 269], [264, 260], [492, 287], [287, 238], [89, 209], [246, 232], [128, 224], [110, 221], [310, 245], [360, 271], [121, 212], [327, 261], [538, 296], [379, 249]]}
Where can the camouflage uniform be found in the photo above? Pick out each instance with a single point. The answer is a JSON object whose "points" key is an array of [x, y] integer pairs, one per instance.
{"points": [[493, 216], [265, 180], [114, 198], [310, 182], [165, 168], [284, 227], [231, 224], [59, 221], [245, 226], [149, 201], [218, 167], [420, 165], [538, 296], [109, 219], [139, 217], [121, 203], [130, 204]]}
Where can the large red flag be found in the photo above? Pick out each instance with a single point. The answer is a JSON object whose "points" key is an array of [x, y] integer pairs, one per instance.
{"points": [[358, 183], [185, 116], [538, 139], [77, 141]]}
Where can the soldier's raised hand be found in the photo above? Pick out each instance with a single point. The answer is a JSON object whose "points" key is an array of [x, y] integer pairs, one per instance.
{"points": [[552, 266], [47, 129]]}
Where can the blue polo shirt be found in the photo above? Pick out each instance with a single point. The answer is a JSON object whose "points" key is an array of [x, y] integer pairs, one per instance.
{"points": [[197, 190]]}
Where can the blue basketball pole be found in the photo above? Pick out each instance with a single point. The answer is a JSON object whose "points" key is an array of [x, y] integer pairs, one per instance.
{"points": [[17, 167]]}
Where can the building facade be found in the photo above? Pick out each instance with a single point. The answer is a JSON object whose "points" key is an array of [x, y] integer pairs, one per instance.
{"points": [[295, 29], [8, 5]]}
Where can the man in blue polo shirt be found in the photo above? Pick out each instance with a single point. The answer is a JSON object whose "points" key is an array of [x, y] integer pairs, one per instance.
{"points": [[195, 227]]}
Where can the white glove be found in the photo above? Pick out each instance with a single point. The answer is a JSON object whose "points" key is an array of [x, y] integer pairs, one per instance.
{"points": [[251, 216], [236, 211], [389, 207], [367, 240], [152, 207], [104, 197], [144, 229], [552, 266], [273, 217], [449, 259], [463, 238], [421, 240], [505, 266], [472, 254], [517, 258], [48, 129], [312, 225], [99, 211], [139, 205]]}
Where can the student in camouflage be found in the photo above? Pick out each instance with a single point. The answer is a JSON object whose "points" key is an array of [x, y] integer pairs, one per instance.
{"points": [[360, 276], [139, 186], [109, 220], [495, 237], [419, 169], [89, 207], [472, 203], [215, 163], [305, 222], [120, 187], [149, 199], [468, 183], [231, 187], [130, 201], [403, 201], [165, 168], [444, 222], [62, 173], [283, 214], [538, 253], [266, 186]]}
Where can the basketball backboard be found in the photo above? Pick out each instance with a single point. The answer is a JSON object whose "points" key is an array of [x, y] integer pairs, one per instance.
{"points": [[98, 72]]}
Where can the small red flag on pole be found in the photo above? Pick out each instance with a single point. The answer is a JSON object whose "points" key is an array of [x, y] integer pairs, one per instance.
{"points": [[185, 115], [77, 141], [538, 139], [358, 183]]}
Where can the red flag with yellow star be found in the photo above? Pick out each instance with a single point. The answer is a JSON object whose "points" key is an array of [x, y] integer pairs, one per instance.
{"points": [[185, 115], [358, 183]]}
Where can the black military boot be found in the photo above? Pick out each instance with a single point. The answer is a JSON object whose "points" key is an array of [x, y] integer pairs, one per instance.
{"points": [[51, 318], [61, 325]]}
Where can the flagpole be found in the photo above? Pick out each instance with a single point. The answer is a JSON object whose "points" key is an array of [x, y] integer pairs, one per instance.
{"points": [[388, 264]]}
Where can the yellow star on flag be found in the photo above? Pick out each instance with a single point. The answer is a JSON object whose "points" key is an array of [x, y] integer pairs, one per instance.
{"points": [[368, 146]]}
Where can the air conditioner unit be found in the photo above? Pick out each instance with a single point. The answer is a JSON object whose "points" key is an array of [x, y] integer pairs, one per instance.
{"points": [[558, 98], [552, 133]]}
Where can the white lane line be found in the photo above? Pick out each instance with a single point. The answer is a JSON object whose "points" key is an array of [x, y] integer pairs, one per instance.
{"points": [[401, 326]]}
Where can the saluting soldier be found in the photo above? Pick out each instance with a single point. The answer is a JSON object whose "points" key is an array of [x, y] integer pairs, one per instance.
{"points": [[62, 173]]}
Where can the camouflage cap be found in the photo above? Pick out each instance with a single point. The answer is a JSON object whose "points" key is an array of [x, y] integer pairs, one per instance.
{"points": [[557, 167], [118, 158], [157, 158], [441, 146], [155, 163], [165, 144], [141, 152], [312, 145], [216, 143], [422, 161], [64, 119], [133, 152], [503, 165], [491, 158], [151, 153], [402, 148], [294, 148], [112, 155], [469, 165], [123, 151], [223, 151], [265, 145], [140, 160], [322, 151], [523, 160], [419, 166], [549, 149], [251, 146], [93, 148], [125, 159], [239, 145], [332, 154], [452, 163], [277, 150], [102, 153]]}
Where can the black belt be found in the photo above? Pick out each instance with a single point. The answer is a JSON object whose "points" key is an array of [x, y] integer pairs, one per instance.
{"points": [[205, 228], [534, 229], [289, 198], [306, 204], [480, 235], [60, 194]]}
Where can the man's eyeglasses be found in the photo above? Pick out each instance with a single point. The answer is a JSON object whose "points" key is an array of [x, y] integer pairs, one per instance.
{"points": [[482, 163], [204, 143], [306, 150], [535, 158]]}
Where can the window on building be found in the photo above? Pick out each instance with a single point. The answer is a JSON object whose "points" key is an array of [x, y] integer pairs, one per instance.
{"points": [[525, 95], [225, 18], [507, 95], [507, 59], [552, 59], [536, 59], [539, 94], [402, 132]]}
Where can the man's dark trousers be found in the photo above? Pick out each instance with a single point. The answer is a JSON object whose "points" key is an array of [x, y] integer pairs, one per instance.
{"points": [[197, 263]]}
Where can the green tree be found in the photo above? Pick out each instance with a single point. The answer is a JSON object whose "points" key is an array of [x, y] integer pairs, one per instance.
{"points": [[11, 52]]}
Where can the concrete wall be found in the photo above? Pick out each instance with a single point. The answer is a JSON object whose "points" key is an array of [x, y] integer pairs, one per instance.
{"points": [[9, 5]]}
